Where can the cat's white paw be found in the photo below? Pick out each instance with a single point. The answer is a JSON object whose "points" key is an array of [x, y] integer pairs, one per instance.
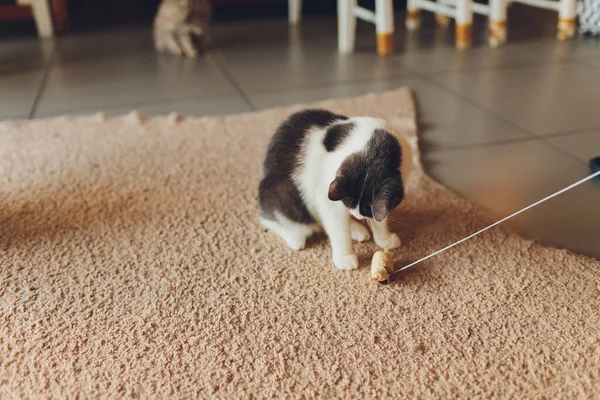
{"points": [[359, 232], [296, 243], [346, 262], [391, 242]]}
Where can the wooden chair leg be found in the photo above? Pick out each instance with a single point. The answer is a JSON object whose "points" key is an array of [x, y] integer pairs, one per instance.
{"points": [[384, 20]]}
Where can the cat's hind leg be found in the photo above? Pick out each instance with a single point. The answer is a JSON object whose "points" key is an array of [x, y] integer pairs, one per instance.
{"points": [[186, 44], [294, 233]]}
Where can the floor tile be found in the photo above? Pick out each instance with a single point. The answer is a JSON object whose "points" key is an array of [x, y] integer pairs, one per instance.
{"points": [[433, 50], [584, 146], [95, 46], [282, 70], [541, 99], [24, 55], [22, 65], [18, 92], [127, 79], [593, 62], [578, 48], [14, 117], [193, 107], [315, 93], [301, 57], [504, 179], [444, 120]]}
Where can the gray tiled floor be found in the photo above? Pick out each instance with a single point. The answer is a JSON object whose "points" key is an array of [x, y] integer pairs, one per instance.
{"points": [[504, 127]]}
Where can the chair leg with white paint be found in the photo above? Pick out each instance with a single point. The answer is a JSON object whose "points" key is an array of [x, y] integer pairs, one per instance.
{"points": [[566, 14], [566, 19], [464, 24], [459, 10], [384, 21], [42, 16], [346, 25], [294, 11], [413, 15], [497, 23]]}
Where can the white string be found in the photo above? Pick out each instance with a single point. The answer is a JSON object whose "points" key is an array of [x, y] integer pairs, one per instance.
{"points": [[499, 222]]}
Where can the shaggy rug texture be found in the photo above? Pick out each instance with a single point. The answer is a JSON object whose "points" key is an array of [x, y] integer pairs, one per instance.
{"points": [[132, 264]]}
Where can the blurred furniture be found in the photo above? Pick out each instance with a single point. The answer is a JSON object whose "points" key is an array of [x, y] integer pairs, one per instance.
{"points": [[588, 12], [566, 14], [50, 16], [348, 11], [462, 13], [42, 16]]}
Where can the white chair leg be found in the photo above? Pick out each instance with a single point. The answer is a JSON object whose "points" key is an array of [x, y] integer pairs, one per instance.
{"points": [[413, 16], [42, 16], [294, 11], [346, 25], [566, 19], [464, 24], [497, 22], [384, 21]]}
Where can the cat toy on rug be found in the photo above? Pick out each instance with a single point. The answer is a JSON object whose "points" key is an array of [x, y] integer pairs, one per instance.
{"points": [[382, 266]]}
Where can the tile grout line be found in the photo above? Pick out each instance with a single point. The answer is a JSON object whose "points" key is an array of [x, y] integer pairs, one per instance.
{"points": [[40, 91], [547, 142], [533, 136], [215, 57]]}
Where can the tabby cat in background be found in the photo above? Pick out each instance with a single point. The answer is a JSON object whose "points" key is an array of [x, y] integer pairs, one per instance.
{"points": [[181, 27]]}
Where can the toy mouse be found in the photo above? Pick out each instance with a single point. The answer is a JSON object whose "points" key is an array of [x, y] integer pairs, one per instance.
{"points": [[382, 266]]}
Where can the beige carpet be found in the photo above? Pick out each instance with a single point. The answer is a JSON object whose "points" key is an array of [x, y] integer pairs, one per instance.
{"points": [[132, 265]]}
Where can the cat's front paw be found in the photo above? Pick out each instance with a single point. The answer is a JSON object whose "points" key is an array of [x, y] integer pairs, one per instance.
{"points": [[391, 242], [348, 262]]}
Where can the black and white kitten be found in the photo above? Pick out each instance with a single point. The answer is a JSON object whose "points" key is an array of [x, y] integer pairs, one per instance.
{"points": [[322, 168]]}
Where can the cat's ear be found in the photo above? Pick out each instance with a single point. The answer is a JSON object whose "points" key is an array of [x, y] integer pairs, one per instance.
{"points": [[388, 197], [381, 207], [339, 189]]}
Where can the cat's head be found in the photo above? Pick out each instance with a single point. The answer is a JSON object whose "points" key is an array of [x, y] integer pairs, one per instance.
{"points": [[369, 182]]}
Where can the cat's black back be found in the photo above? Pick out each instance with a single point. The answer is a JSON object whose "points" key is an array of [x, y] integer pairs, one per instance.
{"points": [[277, 190]]}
